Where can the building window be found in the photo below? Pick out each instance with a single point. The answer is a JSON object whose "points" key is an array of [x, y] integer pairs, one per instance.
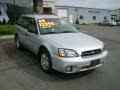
{"points": [[111, 18], [47, 9], [94, 17], [105, 18], [81, 17], [76, 9]]}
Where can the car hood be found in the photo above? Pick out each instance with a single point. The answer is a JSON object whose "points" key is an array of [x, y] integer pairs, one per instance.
{"points": [[75, 41]]}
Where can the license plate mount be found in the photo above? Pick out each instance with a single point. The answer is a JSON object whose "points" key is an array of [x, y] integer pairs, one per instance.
{"points": [[95, 62]]}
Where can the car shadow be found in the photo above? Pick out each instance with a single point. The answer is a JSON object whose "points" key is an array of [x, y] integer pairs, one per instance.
{"points": [[26, 61]]}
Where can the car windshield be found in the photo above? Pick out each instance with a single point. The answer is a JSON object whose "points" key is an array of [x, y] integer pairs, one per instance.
{"points": [[55, 26]]}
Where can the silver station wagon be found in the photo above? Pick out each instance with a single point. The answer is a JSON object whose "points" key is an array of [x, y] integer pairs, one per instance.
{"points": [[58, 44]]}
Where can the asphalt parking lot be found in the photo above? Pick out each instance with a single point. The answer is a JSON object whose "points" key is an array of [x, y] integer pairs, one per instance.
{"points": [[19, 70]]}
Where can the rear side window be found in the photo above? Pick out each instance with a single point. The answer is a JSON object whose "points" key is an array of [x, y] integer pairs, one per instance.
{"points": [[23, 21], [27, 22], [20, 21]]}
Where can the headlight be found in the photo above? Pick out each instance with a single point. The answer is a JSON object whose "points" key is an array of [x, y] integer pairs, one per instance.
{"points": [[67, 53]]}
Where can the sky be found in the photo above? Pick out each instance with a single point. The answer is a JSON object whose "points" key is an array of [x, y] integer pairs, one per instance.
{"points": [[102, 4]]}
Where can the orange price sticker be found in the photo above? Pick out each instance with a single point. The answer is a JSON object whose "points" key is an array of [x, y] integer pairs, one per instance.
{"points": [[44, 23]]}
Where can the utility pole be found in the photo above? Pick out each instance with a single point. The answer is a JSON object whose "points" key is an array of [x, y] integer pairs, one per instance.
{"points": [[119, 15], [14, 12], [38, 6]]}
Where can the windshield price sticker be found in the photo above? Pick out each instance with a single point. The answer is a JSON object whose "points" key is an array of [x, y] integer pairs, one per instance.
{"points": [[43, 23]]}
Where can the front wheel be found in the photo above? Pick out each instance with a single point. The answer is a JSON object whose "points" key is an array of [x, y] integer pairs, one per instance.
{"points": [[18, 43], [45, 61]]}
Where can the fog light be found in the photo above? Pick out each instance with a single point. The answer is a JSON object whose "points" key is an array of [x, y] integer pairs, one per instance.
{"points": [[68, 69]]}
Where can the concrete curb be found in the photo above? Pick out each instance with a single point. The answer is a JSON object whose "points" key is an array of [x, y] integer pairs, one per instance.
{"points": [[2, 37]]}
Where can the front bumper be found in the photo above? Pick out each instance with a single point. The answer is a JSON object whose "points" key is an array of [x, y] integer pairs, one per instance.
{"points": [[77, 63]]}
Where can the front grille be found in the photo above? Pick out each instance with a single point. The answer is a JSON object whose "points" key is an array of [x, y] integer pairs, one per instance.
{"points": [[91, 52]]}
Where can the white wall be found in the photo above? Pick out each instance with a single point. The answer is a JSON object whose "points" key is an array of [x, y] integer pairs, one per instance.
{"points": [[88, 14], [99, 13]]}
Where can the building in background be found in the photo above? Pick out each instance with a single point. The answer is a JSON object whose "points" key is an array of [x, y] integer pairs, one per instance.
{"points": [[84, 15], [88, 15], [72, 13]]}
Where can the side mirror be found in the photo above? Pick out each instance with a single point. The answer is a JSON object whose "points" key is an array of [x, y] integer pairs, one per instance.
{"points": [[32, 29], [77, 26]]}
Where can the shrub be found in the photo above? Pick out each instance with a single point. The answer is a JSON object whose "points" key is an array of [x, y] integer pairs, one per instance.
{"points": [[7, 29], [77, 21]]}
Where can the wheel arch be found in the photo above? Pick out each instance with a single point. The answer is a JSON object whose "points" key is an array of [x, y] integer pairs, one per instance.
{"points": [[41, 48], [16, 35]]}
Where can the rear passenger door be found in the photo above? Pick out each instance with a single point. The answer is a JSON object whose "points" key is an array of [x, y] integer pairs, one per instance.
{"points": [[31, 33], [21, 27]]}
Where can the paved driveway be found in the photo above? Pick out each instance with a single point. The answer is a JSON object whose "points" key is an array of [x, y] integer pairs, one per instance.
{"points": [[19, 70]]}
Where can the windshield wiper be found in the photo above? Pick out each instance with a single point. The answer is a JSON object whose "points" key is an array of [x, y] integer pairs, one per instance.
{"points": [[58, 32], [50, 33], [67, 32]]}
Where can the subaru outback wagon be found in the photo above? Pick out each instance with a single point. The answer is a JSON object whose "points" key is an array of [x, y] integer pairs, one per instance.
{"points": [[58, 44]]}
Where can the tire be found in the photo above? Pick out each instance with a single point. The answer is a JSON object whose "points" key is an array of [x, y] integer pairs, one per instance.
{"points": [[45, 61], [18, 43]]}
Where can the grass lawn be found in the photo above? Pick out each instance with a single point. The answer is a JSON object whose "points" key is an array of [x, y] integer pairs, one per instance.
{"points": [[7, 29]]}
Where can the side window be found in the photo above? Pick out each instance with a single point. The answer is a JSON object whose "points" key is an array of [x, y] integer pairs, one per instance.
{"points": [[81, 17], [32, 25], [20, 21], [23, 22]]}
